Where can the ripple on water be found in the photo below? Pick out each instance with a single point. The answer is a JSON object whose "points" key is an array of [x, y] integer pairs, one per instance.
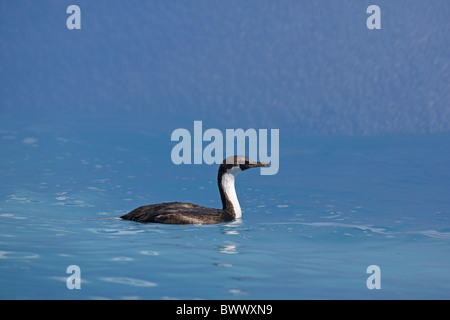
{"points": [[129, 281], [17, 255], [114, 231], [150, 253], [12, 216], [434, 234], [121, 259]]}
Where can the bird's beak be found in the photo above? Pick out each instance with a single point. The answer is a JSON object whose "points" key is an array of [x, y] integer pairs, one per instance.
{"points": [[257, 164]]}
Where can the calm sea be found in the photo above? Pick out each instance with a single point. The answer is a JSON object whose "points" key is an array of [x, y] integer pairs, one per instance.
{"points": [[337, 206]]}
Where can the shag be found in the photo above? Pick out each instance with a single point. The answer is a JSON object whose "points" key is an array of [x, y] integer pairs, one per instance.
{"points": [[188, 213]]}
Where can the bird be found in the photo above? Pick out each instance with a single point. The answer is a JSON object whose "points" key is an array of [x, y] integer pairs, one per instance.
{"points": [[188, 213]]}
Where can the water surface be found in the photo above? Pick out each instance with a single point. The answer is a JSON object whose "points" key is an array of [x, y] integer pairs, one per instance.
{"points": [[337, 206]]}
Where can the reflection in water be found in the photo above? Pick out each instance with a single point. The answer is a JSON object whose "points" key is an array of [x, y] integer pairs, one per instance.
{"points": [[228, 248], [231, 232], [232, 228]]}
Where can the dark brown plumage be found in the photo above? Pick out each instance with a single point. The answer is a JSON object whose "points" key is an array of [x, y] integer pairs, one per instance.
{"points": [[188, 213]]}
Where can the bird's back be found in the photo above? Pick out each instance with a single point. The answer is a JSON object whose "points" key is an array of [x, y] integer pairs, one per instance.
{"points": [[174, 213]]}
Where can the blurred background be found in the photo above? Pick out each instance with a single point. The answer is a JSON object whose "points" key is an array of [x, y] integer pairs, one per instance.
{"points": [[306, 67]]}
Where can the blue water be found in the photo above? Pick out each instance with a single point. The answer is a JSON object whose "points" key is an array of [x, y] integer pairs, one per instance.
{"points": [[364, 175], [337, 206]]}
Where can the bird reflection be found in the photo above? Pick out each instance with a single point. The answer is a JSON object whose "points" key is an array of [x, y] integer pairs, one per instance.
{"points": [[232, 228], [228, 248]]}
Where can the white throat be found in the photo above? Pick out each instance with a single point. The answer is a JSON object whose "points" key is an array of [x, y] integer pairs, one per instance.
{"points": [[230, 192]]}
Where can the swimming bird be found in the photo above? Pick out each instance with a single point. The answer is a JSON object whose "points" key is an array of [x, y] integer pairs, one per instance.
{"points": [[188, 213]]}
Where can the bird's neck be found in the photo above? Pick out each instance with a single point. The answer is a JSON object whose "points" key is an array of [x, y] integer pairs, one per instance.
{"points": [[228, 194]]}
